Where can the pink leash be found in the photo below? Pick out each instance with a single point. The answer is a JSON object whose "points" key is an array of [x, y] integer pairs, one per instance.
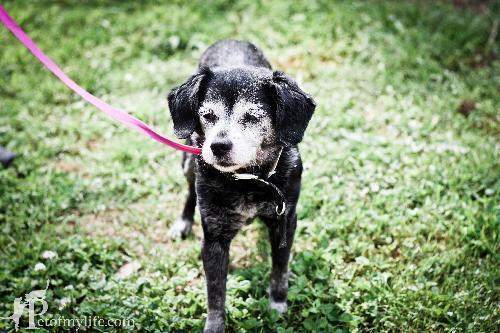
{"points": [[114, 113]]}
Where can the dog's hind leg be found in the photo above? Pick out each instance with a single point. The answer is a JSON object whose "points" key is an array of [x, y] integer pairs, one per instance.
{"points": [[182, 226], [278, 287]]}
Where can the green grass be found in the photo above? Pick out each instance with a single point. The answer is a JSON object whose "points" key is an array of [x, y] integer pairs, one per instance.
{"points": [[399, 214]]}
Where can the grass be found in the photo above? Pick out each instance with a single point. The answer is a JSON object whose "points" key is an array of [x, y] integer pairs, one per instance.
{"points": [[399, 214]]}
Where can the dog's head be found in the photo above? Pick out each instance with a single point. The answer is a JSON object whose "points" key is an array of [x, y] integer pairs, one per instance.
{"points": [[242, 114]]}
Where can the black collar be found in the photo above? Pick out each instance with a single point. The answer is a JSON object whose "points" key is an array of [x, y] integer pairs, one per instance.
{"points": [[277, 194], [257, 172]]}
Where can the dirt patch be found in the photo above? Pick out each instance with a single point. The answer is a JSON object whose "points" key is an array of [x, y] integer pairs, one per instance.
{"points": [[92, 144], [466, 107], [291, 62], [67, 166], [145, 236]]}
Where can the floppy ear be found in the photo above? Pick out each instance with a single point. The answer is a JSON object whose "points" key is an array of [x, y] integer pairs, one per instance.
{"points": [[183, 102], [294, 109]]}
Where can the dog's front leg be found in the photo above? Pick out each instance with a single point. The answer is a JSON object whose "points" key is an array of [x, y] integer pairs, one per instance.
{"points": [[215, 255], [278, 287]]}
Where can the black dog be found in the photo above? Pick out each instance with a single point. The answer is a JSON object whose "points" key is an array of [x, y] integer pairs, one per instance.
{"points": [[248, 121]]}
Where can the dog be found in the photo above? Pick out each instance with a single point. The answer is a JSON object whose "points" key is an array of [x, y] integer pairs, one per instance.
{"points": [[248, 120]]}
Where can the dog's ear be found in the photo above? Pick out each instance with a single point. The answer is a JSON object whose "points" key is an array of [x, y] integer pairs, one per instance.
{"points": [[183, 101], [294, 109]]}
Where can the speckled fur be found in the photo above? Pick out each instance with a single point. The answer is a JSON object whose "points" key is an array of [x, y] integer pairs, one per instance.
{"points": [[236, 98]]}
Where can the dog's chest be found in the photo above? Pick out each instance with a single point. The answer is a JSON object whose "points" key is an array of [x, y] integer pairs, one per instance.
{"points": [[247, 212], [249, 208]]}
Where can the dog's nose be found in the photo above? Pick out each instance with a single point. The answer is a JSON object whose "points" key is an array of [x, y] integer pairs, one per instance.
{"points": [[221, 148]]}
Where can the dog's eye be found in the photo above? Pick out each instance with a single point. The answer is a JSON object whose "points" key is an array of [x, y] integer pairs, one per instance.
{"points": [[210, 116], [250, 118]]}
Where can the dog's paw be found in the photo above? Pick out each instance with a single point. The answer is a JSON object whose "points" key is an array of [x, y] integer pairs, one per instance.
{"points": [[180, 229], [281, 307]]}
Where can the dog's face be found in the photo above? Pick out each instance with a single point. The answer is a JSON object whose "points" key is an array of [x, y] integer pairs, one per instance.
{"points": [[243, 115], [235, 117]]}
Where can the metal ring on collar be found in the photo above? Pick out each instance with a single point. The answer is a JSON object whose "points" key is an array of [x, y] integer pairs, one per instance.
{"points": [[283, 208]]}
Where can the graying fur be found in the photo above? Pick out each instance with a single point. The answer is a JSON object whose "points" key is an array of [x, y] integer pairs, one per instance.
{"points": [[242, 115]]}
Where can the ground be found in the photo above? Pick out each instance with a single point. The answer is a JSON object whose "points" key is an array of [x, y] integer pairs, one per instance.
{"points": [[399, 213]]}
